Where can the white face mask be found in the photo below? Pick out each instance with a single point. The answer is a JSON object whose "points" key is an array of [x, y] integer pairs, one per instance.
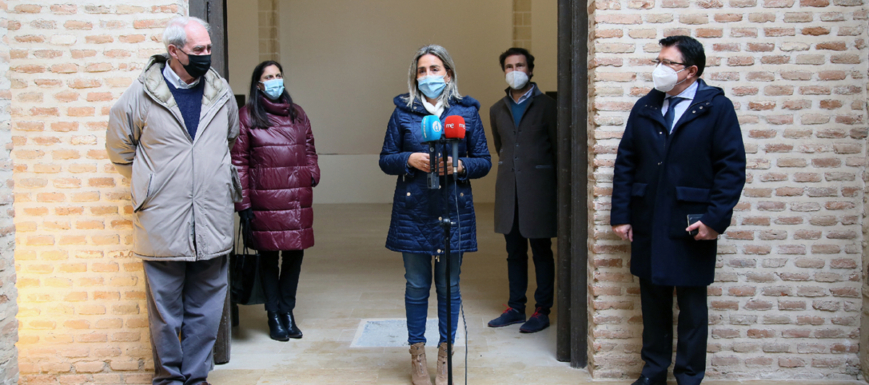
{"points": [[666, 78], [517, 79]]}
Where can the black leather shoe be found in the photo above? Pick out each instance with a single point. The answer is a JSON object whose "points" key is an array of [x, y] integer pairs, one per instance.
{"points": [[643, 380], [277, 331], [290, 323]]}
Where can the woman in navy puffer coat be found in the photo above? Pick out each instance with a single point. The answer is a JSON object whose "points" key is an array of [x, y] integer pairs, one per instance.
{"points": [[415, 231], [277, 164]]}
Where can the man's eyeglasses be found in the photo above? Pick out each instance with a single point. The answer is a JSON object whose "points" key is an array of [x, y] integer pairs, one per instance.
{"points": [[666, 62]]}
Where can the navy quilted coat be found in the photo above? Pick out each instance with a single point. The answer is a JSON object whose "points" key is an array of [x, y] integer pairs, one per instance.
{"points": [[278, 168], [415, 208]]}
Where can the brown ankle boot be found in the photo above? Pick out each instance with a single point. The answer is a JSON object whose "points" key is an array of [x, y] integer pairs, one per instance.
{"points": [[442, 376], [419, 369]]}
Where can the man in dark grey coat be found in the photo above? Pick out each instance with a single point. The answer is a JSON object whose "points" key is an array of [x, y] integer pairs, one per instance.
{"points": [[523, 127]]}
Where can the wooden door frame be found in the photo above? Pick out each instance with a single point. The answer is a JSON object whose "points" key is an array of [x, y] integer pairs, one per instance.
{"points": [[572, 332], [214, 13]]}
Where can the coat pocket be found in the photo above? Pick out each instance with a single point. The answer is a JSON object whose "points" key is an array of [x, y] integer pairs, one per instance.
{"points": [[689, 200], [543, 166], [640, 210], [692, 194], [140, 190]]}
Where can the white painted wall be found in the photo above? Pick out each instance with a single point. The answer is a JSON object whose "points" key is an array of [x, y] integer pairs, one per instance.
{"points": [[345, 60], [544, 43], [241, 27]]}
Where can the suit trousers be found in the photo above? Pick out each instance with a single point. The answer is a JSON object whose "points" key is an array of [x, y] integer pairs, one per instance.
{"points": [[185, 299], [517, 268], [280, 289], [657, 352]]}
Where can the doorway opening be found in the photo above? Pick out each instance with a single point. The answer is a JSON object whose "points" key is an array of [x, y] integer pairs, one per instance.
{"points": [[344, 61]]}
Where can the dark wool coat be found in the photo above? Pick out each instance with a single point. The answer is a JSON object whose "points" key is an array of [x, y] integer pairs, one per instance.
{"points": [[278, 168], [415, 209], [660, 178], [527, 161]]}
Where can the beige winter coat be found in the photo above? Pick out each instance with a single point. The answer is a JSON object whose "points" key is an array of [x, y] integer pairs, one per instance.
{"points": [[182, 190]]}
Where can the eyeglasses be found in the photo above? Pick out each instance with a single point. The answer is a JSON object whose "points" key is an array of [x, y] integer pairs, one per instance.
{"points": [[666, 62]]}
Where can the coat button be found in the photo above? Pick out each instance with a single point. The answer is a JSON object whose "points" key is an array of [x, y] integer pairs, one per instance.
{"points": [[408, 194], [440, 218], [439, 251], [659, 163], [461, 194], [660, 132]]}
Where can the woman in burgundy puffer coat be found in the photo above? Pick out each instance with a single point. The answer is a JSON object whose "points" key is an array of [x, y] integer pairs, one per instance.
{"points": [[277, 165]]}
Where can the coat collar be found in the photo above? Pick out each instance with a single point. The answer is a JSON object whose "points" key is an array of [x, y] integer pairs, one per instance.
{"points": [[156, 87], [400, 102], [280, 108], [652, 102], [535, 91], [704, 93]]}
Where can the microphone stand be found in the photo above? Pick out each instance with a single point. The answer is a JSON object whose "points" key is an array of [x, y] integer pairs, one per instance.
{"points": [[447, 225]]}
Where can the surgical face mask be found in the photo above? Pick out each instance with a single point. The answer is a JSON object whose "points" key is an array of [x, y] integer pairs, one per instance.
{"points": [[273, 88], [666, 78], [517, 79], [198, 65], [432, 86]]}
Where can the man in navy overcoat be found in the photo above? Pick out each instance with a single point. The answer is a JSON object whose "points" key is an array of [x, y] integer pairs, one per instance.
{"points": [[681, 154]]}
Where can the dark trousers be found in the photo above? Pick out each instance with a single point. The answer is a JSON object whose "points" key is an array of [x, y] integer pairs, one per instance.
{"points": [[517, 269], [186, 299], [280, 289], [657, 305]]}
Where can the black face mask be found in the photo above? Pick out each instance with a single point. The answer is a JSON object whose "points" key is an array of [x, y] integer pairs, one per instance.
{"points": [[198, 66]]}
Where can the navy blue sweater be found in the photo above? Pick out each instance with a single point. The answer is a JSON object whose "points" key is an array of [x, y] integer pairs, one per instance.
{"points": [[190, 103]]}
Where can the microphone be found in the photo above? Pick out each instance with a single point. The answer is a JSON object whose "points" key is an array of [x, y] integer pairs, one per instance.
{"points": [[432, 131], [454, 129]]}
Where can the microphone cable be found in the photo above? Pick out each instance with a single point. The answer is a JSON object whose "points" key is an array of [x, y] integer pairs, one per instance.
{"points": [[462, 305]]}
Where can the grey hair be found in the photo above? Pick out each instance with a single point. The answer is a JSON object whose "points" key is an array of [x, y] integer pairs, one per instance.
{"points": [[174, 34], [451, 91]]}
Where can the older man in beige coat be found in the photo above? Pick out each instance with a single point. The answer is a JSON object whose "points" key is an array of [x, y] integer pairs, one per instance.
{"points": [[170, 133]]}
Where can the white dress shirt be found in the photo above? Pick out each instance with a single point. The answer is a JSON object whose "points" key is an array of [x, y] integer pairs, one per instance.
{"points": [[175, 80], [688, 95]]}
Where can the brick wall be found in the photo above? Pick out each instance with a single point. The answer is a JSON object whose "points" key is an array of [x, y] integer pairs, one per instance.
{"points": [[81, 296], [8, 306], [787, 300]]}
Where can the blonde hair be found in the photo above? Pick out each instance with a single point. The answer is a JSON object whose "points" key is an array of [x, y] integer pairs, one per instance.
{"points": [[451, 91]]}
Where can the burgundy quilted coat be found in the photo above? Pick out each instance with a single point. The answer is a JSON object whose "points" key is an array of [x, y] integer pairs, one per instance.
{"points": [[278, 170]]}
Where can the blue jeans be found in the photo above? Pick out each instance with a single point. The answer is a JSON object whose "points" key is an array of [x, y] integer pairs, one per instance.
{"points": [[418, 272]]}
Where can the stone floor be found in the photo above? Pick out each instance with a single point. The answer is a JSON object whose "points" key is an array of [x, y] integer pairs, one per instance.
{"points": [[349, 276]]}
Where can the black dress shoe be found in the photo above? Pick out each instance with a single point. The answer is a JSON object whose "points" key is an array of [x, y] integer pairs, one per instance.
{"points": [[277, 331], [290, 324], [643, 380]]}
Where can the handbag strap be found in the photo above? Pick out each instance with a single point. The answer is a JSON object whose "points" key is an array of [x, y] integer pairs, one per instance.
{"points": [[240, 236]]}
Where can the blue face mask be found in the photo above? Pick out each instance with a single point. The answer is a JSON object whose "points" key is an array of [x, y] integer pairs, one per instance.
{"points": [[432, 86], [273, 88]]}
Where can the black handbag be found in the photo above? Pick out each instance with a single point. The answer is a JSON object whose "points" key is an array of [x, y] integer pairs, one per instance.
{"points": [[245, 282]]}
